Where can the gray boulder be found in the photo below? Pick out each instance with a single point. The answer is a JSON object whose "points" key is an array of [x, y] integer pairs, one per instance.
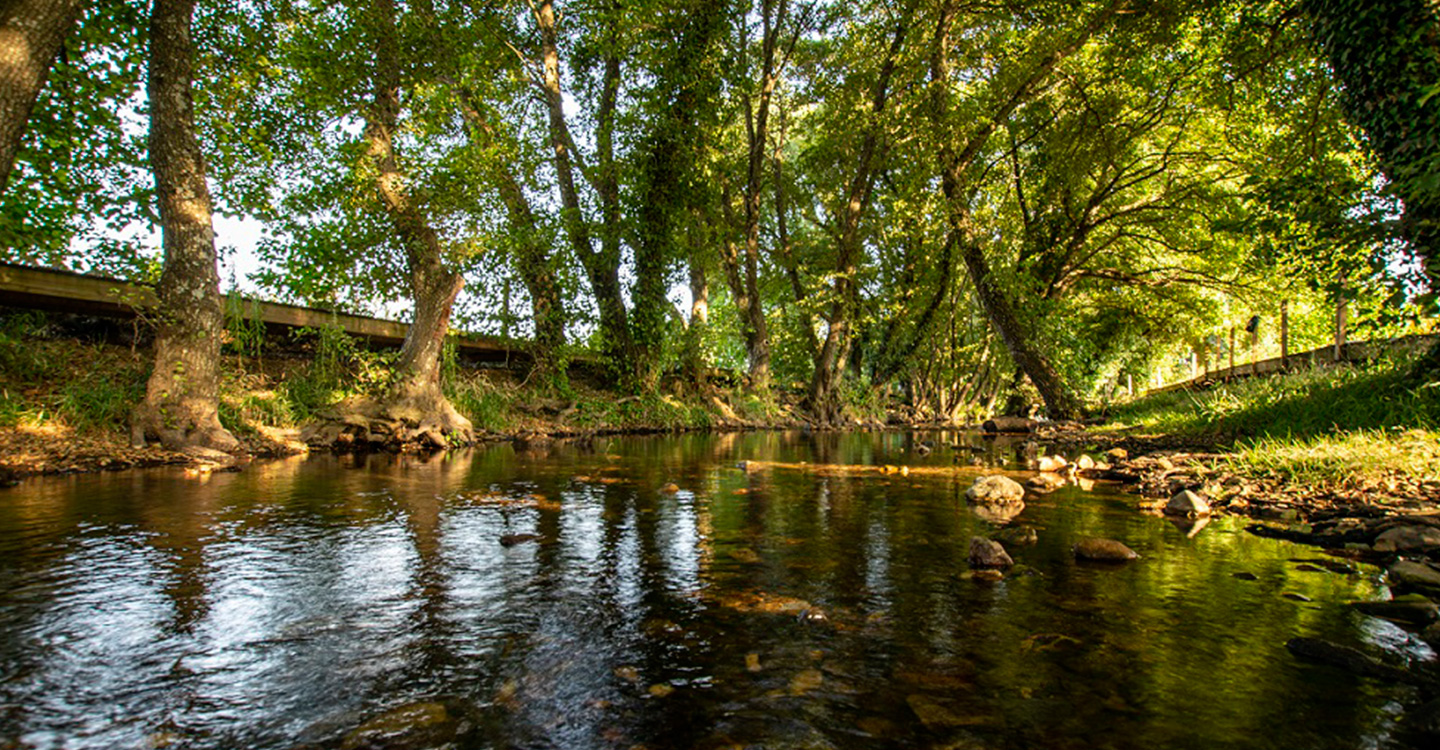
{"points": [[1408, 539], [1415, 574]]}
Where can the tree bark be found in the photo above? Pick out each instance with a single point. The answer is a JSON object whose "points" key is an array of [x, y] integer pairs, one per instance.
{"points": [[32, 33], [182, 395], [1059, 402]]}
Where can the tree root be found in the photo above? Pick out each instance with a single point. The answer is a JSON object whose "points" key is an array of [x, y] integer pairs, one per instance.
{"points": [[362, 423]]}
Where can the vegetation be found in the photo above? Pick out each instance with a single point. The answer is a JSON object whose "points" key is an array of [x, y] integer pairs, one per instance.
{"points": [[962, 208]]}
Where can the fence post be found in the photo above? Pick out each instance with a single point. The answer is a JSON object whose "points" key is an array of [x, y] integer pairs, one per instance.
{"points": [[1284, 334]]}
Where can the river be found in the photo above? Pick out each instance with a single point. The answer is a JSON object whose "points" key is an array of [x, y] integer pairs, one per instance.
{"points": [[563, 595]]}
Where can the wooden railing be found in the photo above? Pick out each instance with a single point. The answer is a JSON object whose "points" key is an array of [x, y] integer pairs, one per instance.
{"points": [[66, 291], [1324, 356]]}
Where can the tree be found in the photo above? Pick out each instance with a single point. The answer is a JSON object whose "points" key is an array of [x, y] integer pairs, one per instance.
{"points": [[32, 33], [181, 397]]}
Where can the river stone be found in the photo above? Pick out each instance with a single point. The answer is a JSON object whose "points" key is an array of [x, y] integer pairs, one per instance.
{"points": [[1051, 463], [1424, 720], [1408, 539], [1187, 503], [1117, 454], [996, 489], [1045, 483], [1104, 550], [1084, 463], [987, 553], [1431, 635], [411, 726], [998, 515], [1416, 574], [1417, 611]]}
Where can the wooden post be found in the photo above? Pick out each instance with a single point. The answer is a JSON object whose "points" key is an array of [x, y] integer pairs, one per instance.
{"points": [[1129, 385], [1284, 334], [1231, 373], [1342, 314], [1254, 342]]}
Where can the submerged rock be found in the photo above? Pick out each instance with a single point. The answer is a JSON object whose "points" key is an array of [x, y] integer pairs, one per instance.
{"points": [[1018, 535], [1045, 482], [1187, 503], [1412, 610], [996, 490], [998, 514], [1347, 658], [510, 540], [1104, 550], [415, 725], [987, 553], [1424, 720], [1415, 574]]}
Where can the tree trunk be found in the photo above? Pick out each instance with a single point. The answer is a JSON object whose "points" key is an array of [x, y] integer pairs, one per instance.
{"points": [[182, 395], [533, 257], [824, 397], [953, 164], [601, 268], [415, 409], [32, 33], [697, 358]]}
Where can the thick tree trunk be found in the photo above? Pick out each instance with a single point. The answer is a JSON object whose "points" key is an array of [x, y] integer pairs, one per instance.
{"points": [[32, 33], [182, 395], [415, 410], [697, 357], [953, 164]]}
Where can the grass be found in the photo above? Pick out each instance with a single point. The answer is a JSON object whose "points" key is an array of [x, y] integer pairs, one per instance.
{"points": [[1380, 396], [1353, 426], [1355, 459]]}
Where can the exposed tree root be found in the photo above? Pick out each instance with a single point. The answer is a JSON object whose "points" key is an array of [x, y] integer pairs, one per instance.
{"points": [[399, 424]]}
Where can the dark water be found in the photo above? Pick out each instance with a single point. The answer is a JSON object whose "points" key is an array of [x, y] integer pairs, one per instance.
{"points": [[345, 603]]}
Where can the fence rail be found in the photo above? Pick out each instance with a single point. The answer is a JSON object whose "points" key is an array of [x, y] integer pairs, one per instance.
{"points": [[1356, 351], [67, 291]]}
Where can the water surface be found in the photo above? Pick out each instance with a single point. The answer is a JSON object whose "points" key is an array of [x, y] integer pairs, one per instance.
{"points": [[334, 602]]}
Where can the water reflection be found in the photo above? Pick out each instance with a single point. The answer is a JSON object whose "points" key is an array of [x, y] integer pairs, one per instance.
{"points": [[307, 602]]}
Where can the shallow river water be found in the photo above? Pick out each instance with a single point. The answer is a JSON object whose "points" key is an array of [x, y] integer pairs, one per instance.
{"points": [[374, 602]]}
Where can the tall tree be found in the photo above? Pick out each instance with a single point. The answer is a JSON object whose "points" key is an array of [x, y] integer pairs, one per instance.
{"points": [[181, 397], [415, 397], [32, 33]]}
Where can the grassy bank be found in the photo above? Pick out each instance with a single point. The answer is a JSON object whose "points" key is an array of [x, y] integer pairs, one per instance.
{"points": [[1355, 426], [67, 387]]}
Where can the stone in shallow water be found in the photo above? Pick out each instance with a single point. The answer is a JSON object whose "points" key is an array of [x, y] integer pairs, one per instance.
{"points": [[1104, 550], [1415, 574], [996, 489], [1187, 503], [1045, 482], [987, 553], [416, 725], [1021, 535], [1415, 611]]}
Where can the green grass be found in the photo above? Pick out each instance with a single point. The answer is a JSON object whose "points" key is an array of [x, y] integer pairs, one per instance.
{"points": [[1352, 459], [1380, 396], [1351, 426]]}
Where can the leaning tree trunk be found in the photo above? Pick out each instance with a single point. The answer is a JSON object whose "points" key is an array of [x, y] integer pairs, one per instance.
{"points": [[181, 398], [32, 32], [414, 410]]}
